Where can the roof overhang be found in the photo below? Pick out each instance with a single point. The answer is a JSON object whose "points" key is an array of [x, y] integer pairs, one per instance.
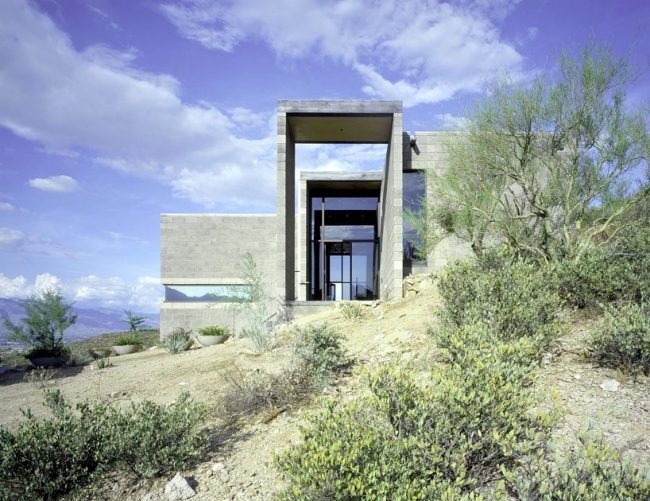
{"points": [[340, 121]]}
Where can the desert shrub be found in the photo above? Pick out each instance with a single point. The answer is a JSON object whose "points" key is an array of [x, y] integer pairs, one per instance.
{"points": [[513, 299], [620, 272], [404, 440], [318, 348], [149, 438], [47, 316], [178, 341], [256, 392], [623, 341], [213, 330], [45, 458], [352, 311], [128, 339], [594, 471]]}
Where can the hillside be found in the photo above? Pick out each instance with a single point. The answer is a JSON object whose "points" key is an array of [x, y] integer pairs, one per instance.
{"points": [[239, 463]]}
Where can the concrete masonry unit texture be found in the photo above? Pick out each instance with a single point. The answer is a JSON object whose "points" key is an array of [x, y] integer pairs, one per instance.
{"points": [[341, 240]]}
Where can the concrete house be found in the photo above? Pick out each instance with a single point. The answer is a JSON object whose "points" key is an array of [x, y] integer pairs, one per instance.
{"points": [[335, 235]]}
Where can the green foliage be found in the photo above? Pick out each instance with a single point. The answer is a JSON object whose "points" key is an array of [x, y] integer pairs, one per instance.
{"points": [[214, 330], [404, 440], [178, 341], [135, 322], [592, 472], [512, 298], [619, 272], [127, 339], [317, 347], [546, 167], [623, 341], [46, 458], [258, 328], [352, 311], [47, 317]]}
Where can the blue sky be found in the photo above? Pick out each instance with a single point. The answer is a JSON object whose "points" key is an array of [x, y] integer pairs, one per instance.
{"points": [[113, 111]]}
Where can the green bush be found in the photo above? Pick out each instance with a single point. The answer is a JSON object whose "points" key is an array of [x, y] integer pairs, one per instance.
{"points": [[620, 272], [513, 299], [45, 458], [405, 440], [178, 341], [593, 472], [41, 330], [623, 341], [318, 348], [213, 330], [352, 311], [128, 339]]}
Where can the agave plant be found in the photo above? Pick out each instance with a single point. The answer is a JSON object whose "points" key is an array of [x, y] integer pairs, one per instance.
{"points": [[178, 341]]}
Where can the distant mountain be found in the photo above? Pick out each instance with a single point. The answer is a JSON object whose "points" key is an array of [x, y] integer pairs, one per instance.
{"points": [[90, 322]]}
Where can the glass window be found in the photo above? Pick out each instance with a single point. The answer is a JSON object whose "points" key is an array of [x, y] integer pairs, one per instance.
{"points": [[222, 293], [414, 189]]}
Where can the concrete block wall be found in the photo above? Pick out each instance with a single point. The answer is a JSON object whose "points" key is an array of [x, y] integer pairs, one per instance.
{"points": [[391, 251], [430, 154], [208, 249]]}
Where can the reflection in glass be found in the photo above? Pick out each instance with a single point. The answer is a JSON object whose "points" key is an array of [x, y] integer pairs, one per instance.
{"points": [[207, 293], [414, 190]]}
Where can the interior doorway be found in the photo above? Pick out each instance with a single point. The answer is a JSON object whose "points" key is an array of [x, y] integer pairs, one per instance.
{"points": [[343, 244]]}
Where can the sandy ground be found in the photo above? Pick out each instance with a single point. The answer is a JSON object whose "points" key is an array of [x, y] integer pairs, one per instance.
{"points": [[239, 465]]}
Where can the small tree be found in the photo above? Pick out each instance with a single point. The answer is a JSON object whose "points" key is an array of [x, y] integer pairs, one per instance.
{"points": [[255, 306], [47, 317], [135, 322], [547, 168]]}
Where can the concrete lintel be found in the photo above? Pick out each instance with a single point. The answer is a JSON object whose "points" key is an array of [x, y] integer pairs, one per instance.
{"points": [[341, 176], [336, 107]]}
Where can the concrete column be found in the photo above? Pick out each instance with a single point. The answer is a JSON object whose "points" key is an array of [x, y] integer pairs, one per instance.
{"points": [[285, 209]]}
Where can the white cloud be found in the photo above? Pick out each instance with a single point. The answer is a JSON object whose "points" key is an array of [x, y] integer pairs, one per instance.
{"points": [[18, 286], [11, 239], [55, 183], [432, 49], [96, 101], [143, 294], [7, 207]]}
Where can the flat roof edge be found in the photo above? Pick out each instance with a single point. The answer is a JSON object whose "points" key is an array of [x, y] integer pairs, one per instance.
{"points": [[326, 106], [341, 176]]}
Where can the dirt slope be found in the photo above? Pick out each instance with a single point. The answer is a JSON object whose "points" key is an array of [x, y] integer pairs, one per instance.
{"points": [[240, 465]]}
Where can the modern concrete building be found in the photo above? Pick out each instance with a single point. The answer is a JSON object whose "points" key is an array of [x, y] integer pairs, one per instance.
{"points": [[342, 238]]}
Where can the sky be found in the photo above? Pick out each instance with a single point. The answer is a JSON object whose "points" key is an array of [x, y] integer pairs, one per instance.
{"points": [[115, 111]]}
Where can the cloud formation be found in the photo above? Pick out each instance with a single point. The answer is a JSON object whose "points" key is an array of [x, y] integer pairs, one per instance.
{"points": [[61, 184], [420, 51], [7, 207], [143, 294], [95, 100]]}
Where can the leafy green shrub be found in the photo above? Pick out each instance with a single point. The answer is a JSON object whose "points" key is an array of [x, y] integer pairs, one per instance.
{"points": [[127, 339], [513, 299], [213, 330], [620, 272], [45, 458], [149, 438], [318, 348], [405, 440], [352, 311], [178, 341], [592, 472], [624, 339], [47, 317], [255, 392]]}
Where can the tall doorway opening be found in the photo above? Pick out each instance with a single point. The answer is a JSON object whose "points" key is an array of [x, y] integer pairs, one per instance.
{"points": [[343, 243]]}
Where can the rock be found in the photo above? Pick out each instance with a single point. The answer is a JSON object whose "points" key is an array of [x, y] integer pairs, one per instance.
{"points": [[547, 358], [218, 467], [179, 488], [610, 385]]}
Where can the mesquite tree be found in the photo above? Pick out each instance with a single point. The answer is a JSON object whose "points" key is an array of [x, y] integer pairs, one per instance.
{"points": [[551, 169]]}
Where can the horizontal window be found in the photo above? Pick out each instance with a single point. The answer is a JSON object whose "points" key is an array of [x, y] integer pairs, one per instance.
{"points": [[207, 293]]}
